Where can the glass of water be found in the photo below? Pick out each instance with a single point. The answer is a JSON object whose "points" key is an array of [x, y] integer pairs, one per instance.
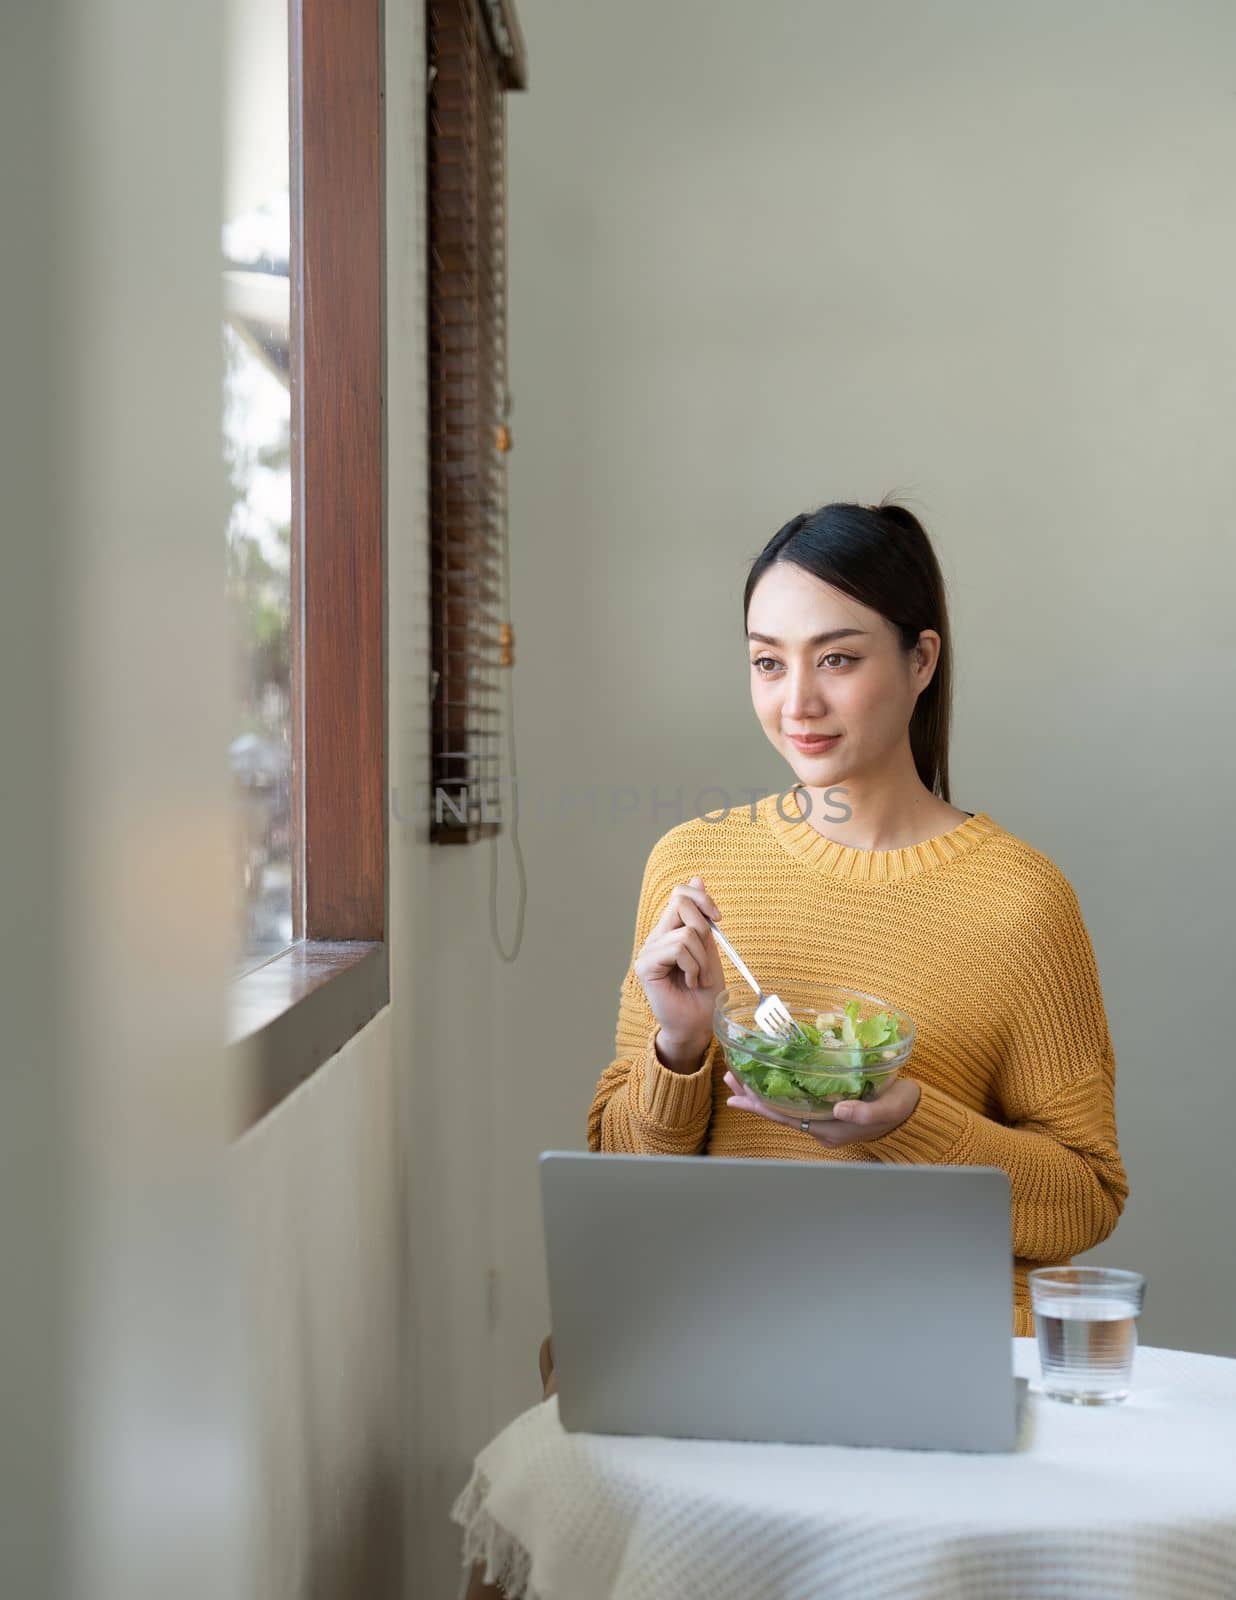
{"points": [[1086, 1320]]}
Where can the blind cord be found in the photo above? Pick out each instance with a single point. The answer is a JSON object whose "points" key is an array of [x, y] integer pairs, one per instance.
{"points": [[519, 855], [510, 744], [506, 598]]}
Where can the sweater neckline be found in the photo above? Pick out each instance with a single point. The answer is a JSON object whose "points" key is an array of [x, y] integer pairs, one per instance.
{"points": [[798, 838]]}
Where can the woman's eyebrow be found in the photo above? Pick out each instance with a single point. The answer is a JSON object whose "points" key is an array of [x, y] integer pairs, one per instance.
{"points": [[820, 638]]}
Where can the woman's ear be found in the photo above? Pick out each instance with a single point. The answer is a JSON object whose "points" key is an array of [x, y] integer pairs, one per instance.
{"points": [[927, 652]]}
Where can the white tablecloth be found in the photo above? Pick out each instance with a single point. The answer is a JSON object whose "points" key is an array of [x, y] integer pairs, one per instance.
{"points": [[1136, 1499]]}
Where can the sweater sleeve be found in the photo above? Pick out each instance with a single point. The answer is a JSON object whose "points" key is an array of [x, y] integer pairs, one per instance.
{"points": [[1056, 1089], [640, 1106]]}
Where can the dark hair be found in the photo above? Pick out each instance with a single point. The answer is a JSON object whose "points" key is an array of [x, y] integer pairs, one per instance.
{"points": [[880, 556]]}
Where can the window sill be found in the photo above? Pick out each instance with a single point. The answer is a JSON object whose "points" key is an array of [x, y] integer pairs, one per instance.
{"points": [[289, 1017]]}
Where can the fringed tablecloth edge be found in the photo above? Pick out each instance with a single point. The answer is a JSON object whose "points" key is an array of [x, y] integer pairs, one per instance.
{"points": [[485, 1540]]}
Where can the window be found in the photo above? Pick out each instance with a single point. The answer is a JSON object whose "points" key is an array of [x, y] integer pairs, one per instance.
{"points": [[305, 540], [257, 419]]}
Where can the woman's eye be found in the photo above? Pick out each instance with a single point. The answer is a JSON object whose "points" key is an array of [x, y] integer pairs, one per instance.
{"points": [[765, 664]]}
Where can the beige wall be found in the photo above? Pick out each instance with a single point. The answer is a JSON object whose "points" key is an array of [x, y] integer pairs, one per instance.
{"points": [[765, 258], [323, 1209], [123, 1441]]}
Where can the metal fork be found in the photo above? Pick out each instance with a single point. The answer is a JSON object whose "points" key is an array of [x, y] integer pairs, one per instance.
{"points": [[771, 1013]]}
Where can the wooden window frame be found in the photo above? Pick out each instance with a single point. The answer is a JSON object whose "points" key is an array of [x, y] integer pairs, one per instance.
{"points": [[298, 1009]]}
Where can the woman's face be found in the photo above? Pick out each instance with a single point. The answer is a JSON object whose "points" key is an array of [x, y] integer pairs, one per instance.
{"points": [[821, 663]]}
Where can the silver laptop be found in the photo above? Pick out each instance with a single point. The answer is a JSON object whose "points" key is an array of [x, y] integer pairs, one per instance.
{"points": [[791, 1302]]}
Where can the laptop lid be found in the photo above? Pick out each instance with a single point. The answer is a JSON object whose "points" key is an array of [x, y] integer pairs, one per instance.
{"points": [[793, 1302]]}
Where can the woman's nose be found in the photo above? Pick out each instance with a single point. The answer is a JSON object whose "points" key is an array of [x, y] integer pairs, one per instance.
{"points": [[802, 696]]}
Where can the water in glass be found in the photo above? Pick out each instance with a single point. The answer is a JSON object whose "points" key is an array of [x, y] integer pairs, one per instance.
{"points": [[1086, 1348]]}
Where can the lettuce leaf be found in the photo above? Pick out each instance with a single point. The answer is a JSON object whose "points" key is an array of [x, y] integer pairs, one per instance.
{"points": [[819, 1069]]}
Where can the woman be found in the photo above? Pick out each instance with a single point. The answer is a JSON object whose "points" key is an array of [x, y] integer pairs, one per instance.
{"points": [[866, 875]]}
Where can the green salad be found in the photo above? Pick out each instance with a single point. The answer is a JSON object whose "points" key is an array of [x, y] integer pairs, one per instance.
{"points": [[842, 1058]]}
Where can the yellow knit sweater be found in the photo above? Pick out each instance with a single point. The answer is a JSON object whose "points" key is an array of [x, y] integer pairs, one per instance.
{"points": [[977, 935]]}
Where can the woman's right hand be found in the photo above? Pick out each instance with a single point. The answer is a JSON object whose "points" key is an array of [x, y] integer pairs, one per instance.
{"points": [[679, 967]]}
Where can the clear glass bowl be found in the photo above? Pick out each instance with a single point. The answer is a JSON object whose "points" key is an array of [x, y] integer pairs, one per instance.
{"points": [[806, 1080]]}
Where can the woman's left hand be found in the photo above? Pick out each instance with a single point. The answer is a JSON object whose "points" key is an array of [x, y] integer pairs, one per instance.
{"points": [[853, 1121]]}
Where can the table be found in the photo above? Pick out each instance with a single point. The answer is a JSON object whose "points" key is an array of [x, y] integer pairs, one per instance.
{"points": [[1098, 1502]]}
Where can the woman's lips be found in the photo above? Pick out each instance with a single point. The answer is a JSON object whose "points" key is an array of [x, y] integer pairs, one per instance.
{"points": [[814, 746]]}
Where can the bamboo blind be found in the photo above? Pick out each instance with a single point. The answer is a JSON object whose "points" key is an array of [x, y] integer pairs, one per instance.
{"points": [[474, 54]]}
